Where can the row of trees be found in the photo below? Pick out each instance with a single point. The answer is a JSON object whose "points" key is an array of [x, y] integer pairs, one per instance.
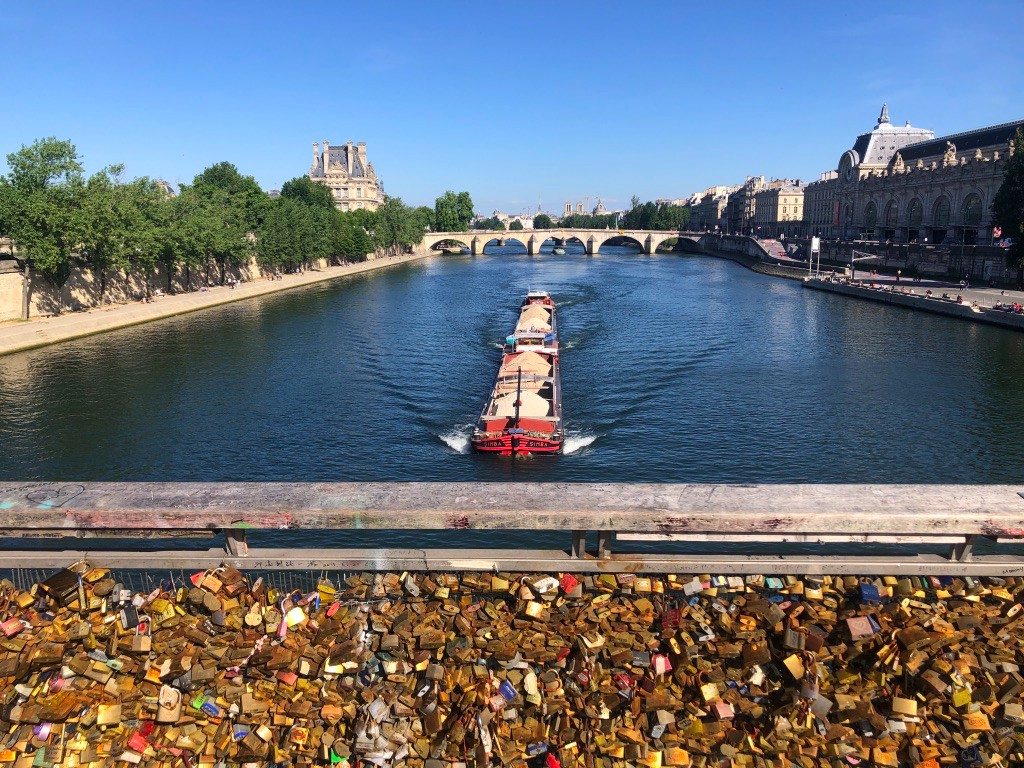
{"points": [[59, 219], [640, 216]]}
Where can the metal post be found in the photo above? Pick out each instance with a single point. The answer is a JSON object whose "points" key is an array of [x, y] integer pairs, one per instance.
{"points": [[604, 544]]}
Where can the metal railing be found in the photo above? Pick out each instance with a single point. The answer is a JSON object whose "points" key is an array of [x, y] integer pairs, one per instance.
{"points": [[834, 523]]}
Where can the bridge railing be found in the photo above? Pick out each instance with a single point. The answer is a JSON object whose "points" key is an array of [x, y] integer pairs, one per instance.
{"points": [[841, 528]]}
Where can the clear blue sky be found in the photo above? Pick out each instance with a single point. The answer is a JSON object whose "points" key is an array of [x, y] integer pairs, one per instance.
{"points": [[518, 103]]}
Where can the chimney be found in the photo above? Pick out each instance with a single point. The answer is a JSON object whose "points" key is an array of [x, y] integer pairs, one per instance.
{"points": [[348, 158], [362, 154], [316, 148], [327, 155]]}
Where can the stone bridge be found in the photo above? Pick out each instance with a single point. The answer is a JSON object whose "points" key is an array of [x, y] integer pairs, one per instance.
{"points": [[533, 239]]}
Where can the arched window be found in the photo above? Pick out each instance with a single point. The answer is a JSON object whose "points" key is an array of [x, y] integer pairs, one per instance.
{"points": [[940, 215], [891, 212], [972, 211], [915, 213], [871, 215]]}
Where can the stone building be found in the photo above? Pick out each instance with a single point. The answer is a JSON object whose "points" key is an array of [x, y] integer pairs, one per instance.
{"points": [[739, 214], [904, 185], [778, 209], [821, 214], [351, 179], [707, 214]]}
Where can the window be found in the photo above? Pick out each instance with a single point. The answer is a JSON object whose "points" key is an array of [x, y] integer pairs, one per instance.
{"points": [[345, 192], [359, 193], [941, 213], [891, 214], [344, 206], [359, 204], [914, 214], [871, 215], [972, 211]]}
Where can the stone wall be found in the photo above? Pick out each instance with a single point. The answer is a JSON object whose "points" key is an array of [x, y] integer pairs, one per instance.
{"points": [[82, 290], [10, 295]]}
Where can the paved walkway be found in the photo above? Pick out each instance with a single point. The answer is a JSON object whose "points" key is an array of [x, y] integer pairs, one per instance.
{"points": [[17, 336], [985, 296]]}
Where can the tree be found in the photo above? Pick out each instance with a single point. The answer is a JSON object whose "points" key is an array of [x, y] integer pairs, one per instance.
{"points": [[516, 225], [396, 227], [543, 221], [453, 212], [492, 223], [1008, 206], [243, 190], [308, 192], [41, 199]]}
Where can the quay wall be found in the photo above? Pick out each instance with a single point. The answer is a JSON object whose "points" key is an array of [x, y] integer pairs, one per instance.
{"points": [[82, 290], [922, 304]]}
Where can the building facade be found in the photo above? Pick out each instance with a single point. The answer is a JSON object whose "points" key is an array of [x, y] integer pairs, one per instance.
{"points": [[821, 213], [778, 209], [741, 205], [707, 214], [351, 179], [903, 185]]}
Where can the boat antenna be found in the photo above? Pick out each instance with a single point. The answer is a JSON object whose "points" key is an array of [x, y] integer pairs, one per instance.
{"points": [[519, 393]]}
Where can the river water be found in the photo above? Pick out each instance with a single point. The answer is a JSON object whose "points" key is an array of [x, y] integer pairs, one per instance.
{"points": [[675, 369]]}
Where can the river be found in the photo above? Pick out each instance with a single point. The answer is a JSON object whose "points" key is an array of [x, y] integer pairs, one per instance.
{"points": [[675, 369]]}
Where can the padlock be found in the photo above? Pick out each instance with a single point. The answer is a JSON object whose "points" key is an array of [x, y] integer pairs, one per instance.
{"points": [[142, 641]]}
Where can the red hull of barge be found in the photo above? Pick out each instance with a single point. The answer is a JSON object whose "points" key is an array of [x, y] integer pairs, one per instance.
{"points": [[512, 445]]}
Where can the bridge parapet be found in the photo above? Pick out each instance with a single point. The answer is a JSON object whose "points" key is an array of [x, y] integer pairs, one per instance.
{"points": [[844, 517]]}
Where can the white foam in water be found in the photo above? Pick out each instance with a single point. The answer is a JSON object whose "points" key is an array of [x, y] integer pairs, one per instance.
{"points": [[574, 443], [458, 438]]}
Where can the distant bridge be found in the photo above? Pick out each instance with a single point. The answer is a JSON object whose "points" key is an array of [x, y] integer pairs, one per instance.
{"points": [[533, 239]]}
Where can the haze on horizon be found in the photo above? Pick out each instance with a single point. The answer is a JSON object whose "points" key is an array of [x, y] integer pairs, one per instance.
{"points": [[521, 104]]}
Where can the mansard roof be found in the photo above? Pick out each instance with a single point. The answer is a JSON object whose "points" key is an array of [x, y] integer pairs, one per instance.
{"points": [[966, 141]]}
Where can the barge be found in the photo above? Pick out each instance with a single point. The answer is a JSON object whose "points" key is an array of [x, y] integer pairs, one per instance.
{"points": [[523, 414]]}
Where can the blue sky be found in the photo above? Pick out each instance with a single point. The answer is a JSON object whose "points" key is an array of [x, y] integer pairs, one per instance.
{"points": [[519, 103]]}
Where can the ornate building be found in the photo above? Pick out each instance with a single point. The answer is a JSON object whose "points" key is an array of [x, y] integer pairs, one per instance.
{"points": [[351, 179], [904, 185]]}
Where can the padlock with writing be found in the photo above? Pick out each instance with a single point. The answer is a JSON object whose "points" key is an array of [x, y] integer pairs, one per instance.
{"points": [[142, 642]]}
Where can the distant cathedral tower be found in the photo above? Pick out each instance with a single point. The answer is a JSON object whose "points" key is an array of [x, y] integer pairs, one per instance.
{"points": [[351, 179]]}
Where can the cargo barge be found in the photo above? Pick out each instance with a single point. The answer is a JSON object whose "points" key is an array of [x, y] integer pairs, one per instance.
{"points": [[523, 414]]}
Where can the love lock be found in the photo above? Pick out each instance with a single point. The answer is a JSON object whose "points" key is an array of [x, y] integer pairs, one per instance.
{"points": [[142, 642]]}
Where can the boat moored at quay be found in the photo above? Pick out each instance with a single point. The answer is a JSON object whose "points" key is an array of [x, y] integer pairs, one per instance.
{"points": [[523, 414]]}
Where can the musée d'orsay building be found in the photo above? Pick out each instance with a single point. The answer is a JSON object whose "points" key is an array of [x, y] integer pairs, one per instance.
{"points": [[904, 185]]}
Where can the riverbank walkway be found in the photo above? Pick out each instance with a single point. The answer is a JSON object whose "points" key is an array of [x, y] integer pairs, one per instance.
{"points": [[17, 336]]}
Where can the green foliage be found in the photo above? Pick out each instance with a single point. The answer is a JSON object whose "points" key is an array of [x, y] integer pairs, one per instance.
{"points": [[652, 216], [242, 192], [516, 225], [492, 223], [543, 221], [309, 192], [453, 212], [1008, 206], [58, 219], [396, 227], [586, 221], [41, 198]]}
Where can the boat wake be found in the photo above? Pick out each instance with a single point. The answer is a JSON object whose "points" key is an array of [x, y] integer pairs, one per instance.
{"points": [[457, 438], [575, 443]]}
